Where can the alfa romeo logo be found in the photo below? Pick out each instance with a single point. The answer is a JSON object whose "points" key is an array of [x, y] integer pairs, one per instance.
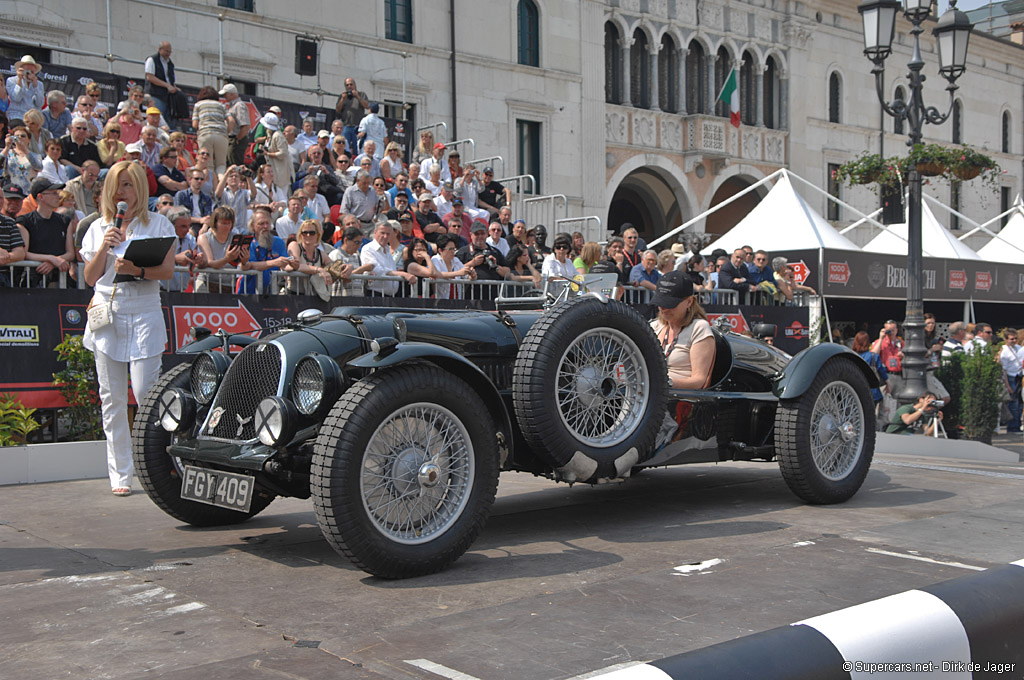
{"points": [[215, 417]]}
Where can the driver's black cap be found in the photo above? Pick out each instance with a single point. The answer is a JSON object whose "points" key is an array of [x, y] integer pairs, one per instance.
{"points": [[672, 288]]}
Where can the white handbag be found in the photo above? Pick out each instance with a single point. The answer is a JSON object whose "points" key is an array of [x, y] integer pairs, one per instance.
{"points": [[100, 314]]}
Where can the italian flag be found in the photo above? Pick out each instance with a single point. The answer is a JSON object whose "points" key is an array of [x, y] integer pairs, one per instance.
{"points": [[730, 94]]}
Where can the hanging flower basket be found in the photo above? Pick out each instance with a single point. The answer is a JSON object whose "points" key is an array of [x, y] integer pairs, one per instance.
{"points": [[930, 169], [966, 173]]}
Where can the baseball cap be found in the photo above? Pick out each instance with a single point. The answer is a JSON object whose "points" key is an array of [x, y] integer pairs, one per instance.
{"points": [[41, 184], [394, 225], [275, 109], [488, 169], [456, 201], [134, 147], [672, 288], [439, 145], [447, 185], [228, 89], [13, 191], [478, 225], [405, 217], [152, 110], [323, 133], [425, 196]]}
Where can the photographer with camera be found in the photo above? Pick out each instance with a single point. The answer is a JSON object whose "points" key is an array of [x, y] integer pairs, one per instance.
{"points": [[912, 417]]}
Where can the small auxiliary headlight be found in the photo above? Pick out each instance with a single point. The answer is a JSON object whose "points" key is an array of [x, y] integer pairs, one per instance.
{"points": [[275, 421], [177, 410]]}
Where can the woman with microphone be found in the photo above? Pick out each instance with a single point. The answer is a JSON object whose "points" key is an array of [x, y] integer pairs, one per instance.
{"points": [[132, 337]]}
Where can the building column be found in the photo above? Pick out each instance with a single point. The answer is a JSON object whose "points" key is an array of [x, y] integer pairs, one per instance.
{"points": [[759, 97], [652, 53], [681, 88], [709, 100], [783, 101], [625, 44]]}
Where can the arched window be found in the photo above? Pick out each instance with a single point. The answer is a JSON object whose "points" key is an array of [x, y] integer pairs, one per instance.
{"points": [[835, 97], [897, 123], [748, 90], [612, 64], [696, 78], [958, 122], [668, 75], [723, 64], [771, 94], [529, 33], [639, 73], [1007, 143]]}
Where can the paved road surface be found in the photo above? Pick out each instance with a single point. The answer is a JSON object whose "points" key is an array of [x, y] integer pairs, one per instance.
{"points": [[563, 582]]}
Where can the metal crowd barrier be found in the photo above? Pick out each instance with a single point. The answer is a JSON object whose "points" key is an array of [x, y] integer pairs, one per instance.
{"points": [[22, 275]]}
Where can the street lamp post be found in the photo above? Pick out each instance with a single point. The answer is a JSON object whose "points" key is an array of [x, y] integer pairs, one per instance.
{"points": [[952, 33]]}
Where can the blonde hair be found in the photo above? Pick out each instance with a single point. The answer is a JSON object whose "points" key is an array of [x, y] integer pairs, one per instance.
{"points": [[590, 253], [316, 225], [140, 183], [392, 146], [176, 135], [34, 115]]}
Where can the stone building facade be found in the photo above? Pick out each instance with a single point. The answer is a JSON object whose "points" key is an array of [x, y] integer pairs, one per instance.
{"points": [[610, 103]]}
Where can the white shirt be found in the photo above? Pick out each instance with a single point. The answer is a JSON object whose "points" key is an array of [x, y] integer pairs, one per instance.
{"points": [[54, 172], [443, 289], [446, 173], [552, 267], [375, 129], [442, 205], [286, 226], [138, 330], [383, 261], [502, 245], [1012, 359]]}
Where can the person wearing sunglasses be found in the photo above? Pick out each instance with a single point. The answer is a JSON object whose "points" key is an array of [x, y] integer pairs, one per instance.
{"points": [[110, 148], [558, 263], [308, 257]]}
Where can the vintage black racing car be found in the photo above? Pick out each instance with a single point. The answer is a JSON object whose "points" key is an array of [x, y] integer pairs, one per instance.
{"points": [[398, 422]]}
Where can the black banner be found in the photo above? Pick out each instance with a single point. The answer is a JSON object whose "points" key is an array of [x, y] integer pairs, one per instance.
{"points": [[857, 274], [35, 320]]}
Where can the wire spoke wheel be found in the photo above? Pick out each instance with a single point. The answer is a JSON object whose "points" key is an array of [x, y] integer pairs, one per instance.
{"points": [[837, 430], [602, 387], [416, 473]]}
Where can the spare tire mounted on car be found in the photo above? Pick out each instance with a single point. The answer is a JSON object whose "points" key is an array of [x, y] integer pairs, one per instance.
{"points": [[590, 388]]}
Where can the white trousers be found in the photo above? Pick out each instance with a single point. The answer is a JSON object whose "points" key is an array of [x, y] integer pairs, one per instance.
{"points": [[113, 379]]}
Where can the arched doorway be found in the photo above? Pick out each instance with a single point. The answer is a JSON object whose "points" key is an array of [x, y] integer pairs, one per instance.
{"points": [[725, 219], [647, 200]]}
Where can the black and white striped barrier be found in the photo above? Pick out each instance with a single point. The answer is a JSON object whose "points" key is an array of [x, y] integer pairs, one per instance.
{"points": [[970, 627]]}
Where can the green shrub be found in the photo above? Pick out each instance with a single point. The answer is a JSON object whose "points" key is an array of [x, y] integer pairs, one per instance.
{"points": [[78, 385], [975, 383], [16, 421]]}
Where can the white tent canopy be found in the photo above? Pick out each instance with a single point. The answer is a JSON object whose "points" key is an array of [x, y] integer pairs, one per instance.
{"points": [[1008, 244], [782, 221], [936, 240]]}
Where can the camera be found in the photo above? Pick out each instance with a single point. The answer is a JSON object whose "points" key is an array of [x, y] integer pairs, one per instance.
{"points": [[245, 172], [934, 405]]}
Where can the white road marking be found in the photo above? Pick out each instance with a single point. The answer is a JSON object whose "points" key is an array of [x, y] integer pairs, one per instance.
{"points": [[700, 566], [959, 565], [630, 670], [181, 609], [944, 468], [438, 669], [801, 544]]}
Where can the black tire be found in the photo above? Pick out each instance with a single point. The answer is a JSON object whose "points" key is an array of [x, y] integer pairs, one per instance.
{"points": [[590, 389], [160, 474], [359, 480], [824, 471]]}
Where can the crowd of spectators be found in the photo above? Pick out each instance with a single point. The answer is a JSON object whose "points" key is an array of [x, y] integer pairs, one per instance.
{"points": [[300, 180]]}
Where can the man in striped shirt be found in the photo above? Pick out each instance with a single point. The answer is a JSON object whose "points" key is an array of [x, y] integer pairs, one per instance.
{"points": [[12, 247], [955, 342]]}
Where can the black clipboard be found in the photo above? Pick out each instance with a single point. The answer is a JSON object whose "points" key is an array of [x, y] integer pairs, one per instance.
{"points": [[145, 252]]}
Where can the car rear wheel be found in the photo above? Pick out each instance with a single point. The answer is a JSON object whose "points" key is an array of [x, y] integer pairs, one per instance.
{"points": [[590, 388], [825, 438], [405, 471], [161, 474]]}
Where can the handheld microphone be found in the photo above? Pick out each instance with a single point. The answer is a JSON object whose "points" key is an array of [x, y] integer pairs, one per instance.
{"points": [[122, 207]]}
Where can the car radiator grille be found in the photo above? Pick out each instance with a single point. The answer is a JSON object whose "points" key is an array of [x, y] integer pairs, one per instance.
{"points": [[252, 376]]}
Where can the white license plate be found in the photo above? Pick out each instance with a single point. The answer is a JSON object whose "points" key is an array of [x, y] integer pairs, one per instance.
{"points": [[215, 487]]}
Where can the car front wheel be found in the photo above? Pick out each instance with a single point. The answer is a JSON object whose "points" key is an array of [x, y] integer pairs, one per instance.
{"points": [[825, 438], [405, 471]]}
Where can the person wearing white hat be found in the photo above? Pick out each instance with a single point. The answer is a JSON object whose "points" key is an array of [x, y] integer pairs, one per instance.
{"points": [[278, 153], [24, 88], [238, 124]]}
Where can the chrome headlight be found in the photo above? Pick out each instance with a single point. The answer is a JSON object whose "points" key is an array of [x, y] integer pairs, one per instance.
{"points": [[275, 421], [207, 371], [316, 383], [177, 410]]}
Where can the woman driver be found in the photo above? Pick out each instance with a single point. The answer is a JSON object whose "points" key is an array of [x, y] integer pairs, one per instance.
{"points": [[683, 331]]}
